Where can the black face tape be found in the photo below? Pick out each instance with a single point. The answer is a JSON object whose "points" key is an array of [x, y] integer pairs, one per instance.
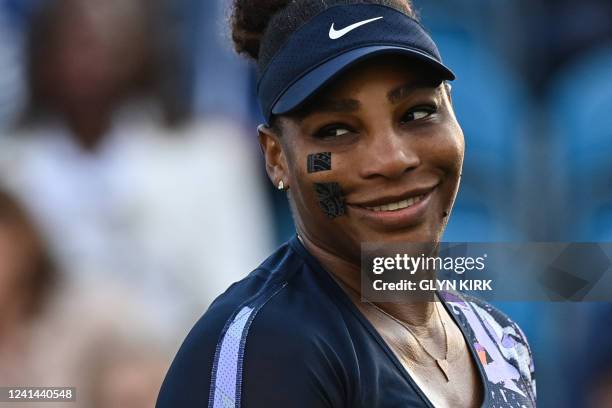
{"points": [[318, 162], [331, 199]]}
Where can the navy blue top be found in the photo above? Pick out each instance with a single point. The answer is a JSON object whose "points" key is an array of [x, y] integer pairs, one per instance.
{"points": [[288, 336]]}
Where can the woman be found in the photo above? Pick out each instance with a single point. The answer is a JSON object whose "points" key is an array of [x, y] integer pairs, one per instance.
{"points": [[55, 333], [361, 136]]}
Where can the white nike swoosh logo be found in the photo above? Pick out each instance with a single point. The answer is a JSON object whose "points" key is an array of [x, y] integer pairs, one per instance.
{"points": [[335, 34]]}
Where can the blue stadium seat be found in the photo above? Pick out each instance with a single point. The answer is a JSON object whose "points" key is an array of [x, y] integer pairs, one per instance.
{"points": [[581, 111]]}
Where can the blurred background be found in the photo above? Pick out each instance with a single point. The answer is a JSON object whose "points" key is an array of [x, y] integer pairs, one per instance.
{"points": [[132, 190]]}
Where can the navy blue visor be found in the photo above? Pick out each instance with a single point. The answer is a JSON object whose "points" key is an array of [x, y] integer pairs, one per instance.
{"points": [[334, 40]]}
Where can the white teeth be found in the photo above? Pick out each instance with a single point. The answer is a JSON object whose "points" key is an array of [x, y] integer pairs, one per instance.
{"points": [[398, 205]]}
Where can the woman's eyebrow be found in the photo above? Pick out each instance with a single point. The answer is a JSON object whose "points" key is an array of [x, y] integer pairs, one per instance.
{"points": [[401, 92], [329, 105], [338, 105]]}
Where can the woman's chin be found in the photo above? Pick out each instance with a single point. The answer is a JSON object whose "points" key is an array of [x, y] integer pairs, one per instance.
{"points": [[424, 233]]}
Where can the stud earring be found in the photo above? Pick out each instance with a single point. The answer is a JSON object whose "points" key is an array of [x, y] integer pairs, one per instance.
{"points": [[281, 185]]}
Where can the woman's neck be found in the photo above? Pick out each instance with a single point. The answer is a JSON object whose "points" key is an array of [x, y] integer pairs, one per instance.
{"points": [[89, 128], [347, 274]]}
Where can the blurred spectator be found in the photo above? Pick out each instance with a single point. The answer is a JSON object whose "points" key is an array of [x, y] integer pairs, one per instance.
{"points": [[56, 334], [123, 371], [27, 276], [124, 185]]}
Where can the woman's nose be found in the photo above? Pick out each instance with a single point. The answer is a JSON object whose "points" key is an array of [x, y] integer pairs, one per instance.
{"points": [[389, 155]]}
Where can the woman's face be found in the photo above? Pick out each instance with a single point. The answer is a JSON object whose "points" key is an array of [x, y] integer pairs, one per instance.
{"points": [[95, 52], [396, 156]]}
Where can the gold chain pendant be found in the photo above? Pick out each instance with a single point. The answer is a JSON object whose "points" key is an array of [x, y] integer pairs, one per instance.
{"points": [[443, 364]]}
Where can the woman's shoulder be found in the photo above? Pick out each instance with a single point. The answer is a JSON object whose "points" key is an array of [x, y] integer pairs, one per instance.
{"points": [[494, 334], [274, 308], [497, 324], [481, 304], [486, 311], [280, 292], [274, 320]]}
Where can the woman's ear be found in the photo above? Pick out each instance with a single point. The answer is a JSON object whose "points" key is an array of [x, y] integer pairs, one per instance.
{"points": [[276, 160], [449, 88]]}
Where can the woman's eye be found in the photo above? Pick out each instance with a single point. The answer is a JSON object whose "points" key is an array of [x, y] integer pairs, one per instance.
{"points": [[418, 113], [331, 132]]}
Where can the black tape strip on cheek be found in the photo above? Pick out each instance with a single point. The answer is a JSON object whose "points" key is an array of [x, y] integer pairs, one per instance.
{"points": [[331, 199], [318, 162]]}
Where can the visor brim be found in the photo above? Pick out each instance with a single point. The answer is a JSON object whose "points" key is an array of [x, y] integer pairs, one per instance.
{"points": [[302, 89]]}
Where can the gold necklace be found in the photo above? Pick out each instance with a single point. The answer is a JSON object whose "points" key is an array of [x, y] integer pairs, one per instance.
{"points": [[441, 362]]}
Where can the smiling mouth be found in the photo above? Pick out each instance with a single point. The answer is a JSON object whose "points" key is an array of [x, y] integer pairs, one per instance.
{"points": [[396, 212], [398, 205]]}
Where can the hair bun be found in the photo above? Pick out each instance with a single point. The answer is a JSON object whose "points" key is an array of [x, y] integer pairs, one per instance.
{"points": [[249, 21]]}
